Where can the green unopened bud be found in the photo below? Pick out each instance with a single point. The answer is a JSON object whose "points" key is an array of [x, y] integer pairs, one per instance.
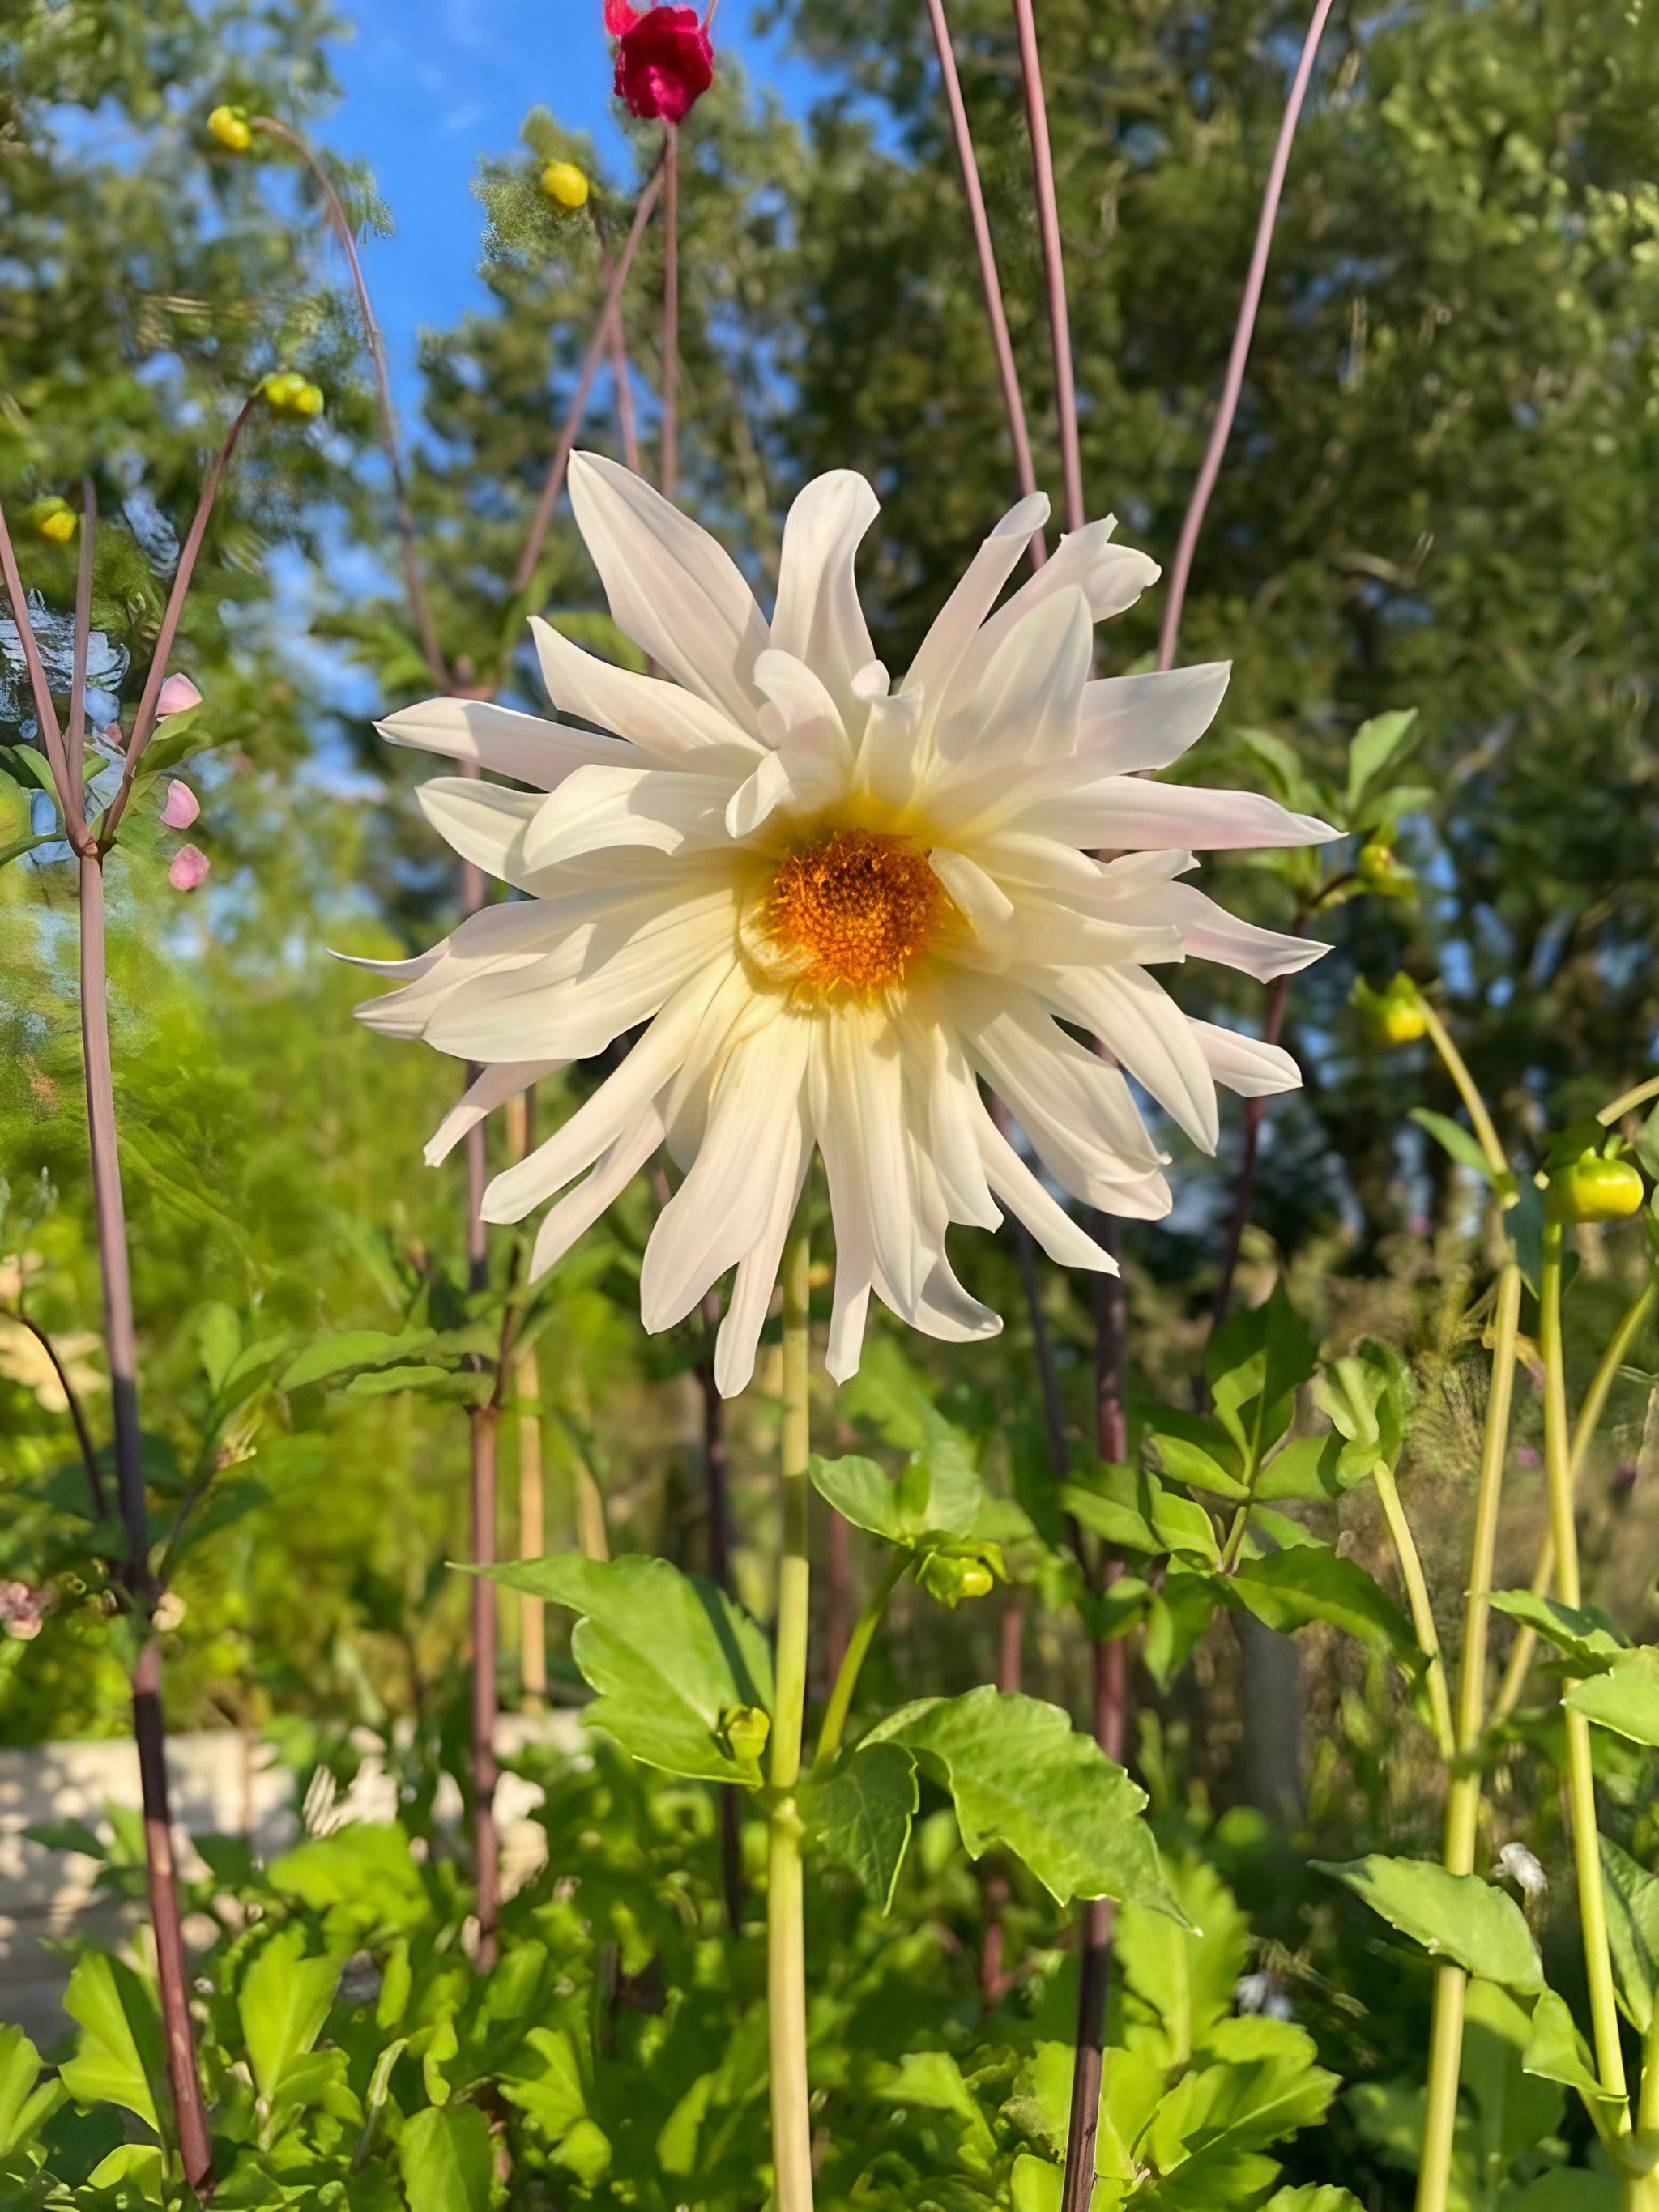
{"points": [[54, 519], [229, 125], [1380, 870], [1393, 1015], [744, 1730], [564, 183], [951, 1580], [1596, 1189]]}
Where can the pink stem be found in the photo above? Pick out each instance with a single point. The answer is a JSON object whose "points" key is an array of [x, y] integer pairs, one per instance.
{"points": [[578, 408], [619, 371], [144, 721], [1243, 330], [75, 737], [670, 313], [409, 544], [990, 282], [45, 714], [1053, 266]]}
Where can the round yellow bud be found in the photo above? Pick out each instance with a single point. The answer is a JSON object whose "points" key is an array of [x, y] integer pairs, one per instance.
{"points": [[564, 182], [230, 126], [309, 399], [1375, 861], [57, 524], [1404, 1024]]}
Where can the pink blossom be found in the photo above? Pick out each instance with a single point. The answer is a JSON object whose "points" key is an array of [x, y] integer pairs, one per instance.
{"points": [[189, 869], [665, 60], [182, 805], [23, 1610], [177, 694]]}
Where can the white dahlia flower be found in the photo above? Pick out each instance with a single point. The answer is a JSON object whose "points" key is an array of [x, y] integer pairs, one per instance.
{"points": [[835, 904]]}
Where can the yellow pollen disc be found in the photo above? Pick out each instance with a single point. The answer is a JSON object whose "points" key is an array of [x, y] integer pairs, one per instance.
{"points": [[859, 905]]}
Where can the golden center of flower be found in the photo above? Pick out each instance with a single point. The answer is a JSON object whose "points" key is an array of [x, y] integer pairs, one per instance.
{"points": [[852, 909]]}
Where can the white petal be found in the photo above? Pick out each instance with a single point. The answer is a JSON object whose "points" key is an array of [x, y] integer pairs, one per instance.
{"points": [[1110, 577], [945, 1105], [1210, 932], [596, 809], [800, 782], [492, 1089], [1121, 811], [673, 589], [497, 940], [663, 718], [615, 1106], [806, 708], [1140, 1025], [982, 903], [579, 1209], [484, 823], [817, 617], [954, 626], [1246, 1065], [891, 749], [750, 1146], [1065, 1242], [1023, 709], [756, 1277], [522, 745], [1148, 721]]}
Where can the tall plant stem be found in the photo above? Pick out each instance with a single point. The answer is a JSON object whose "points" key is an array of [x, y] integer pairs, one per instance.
{"points": [[858, 1647], [1243, 330], [532, 1510], [717, 1492], [671, 310], [554, 482], [1589, 1419], [786, 1964], [120, 1339], [620, 377], [996, 313], [1581, 1773], [1053, 265], [1464, 1794], [1244, 1188], [1422, 1612], [390, 444]]}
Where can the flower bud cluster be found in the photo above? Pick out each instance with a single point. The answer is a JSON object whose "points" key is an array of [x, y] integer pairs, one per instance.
{"points": [[54, 518], [288, 392], [1393, 1015], [230, 126]]}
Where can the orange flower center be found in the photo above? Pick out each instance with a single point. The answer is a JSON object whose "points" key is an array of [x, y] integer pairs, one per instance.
{"points": [[852, 909]]}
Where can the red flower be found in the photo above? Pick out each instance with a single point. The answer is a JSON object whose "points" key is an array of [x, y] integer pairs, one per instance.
{"points": [[665, 62]]}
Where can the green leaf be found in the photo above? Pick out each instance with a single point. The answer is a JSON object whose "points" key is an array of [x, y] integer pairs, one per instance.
{"points": [[219, 1335], [1035, 2185], [445, 2160], [1256, 1361], [671, 1656], [24, 2107], [1282, 763], [1626, 1699], [1179, 1612], [353, 1347], [1313, 1468], [1570, 2189], [939, 1494], [20, 845], [1587, 1639], [1557, 2051], [933, 2080], [362, 1878], [282, 2005], [1368, 1397], [27, 768], [1453, 1916], [1289, 1589], [1377, 748], [1452, 1137], [1632, 1904], [1313, 2196], [1254, 2082], [66, 1836], [1022, 1777], [860, 1815], [381, 1382], [1197, 1452], [120, 2056], [1509, 2109]]}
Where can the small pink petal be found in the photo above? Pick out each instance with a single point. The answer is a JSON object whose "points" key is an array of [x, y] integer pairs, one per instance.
{"points": [[176, 694], [619, 18], [189, 869], [182, 807]]}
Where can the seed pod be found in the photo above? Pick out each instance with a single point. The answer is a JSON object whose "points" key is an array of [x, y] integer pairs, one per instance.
{"points": [[1596, 1189], [230, 126]]}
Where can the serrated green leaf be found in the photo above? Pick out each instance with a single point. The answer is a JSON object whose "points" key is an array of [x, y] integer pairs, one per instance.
{"points": [[1289, 1590], [1115, 1503], [445, 2159], [1632, 1907], [1022, 1777], [1177, 1615], [1626, 1699], [1452, 1915], [1377, 748], [26, 2103], [352, 1347], [1309, 1468], [1558, 2052], [671, 1656], [119, 2056], [1586, 1638], [860, 1815], [281, 2004]]}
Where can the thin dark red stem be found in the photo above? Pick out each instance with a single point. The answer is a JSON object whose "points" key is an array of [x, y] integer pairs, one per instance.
{"points": [[1053, 266], [671, 312], [74, 737], [77, 1413], [996, 312], [144, 721], [620, 376], [45, 714], [1193, 521], [408, 540], [121, 1342], [579, 398]]}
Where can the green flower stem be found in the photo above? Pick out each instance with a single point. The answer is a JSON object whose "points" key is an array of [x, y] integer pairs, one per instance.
{"points": [[1647, 2108], [1458, 1068], [1581, 1776], [785, 1946], [1417, 1591], [1589, 1418], [1464, 1793], [1627, 1100], [858, 1646]]}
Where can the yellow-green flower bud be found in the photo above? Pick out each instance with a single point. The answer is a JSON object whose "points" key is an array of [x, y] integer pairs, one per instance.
{"points": [[744, 1730], [1596, 1189], [1375, 859], [229, 125], [54, 519], [564, 183], [1395, 1014], [309, 399], [951, 1580]]}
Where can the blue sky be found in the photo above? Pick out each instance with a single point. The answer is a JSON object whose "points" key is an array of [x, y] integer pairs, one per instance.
{"points": [[430, 85]]}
